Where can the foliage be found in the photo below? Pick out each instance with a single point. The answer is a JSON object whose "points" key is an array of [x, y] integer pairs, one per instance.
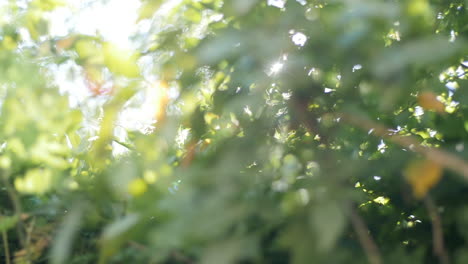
{"points": [[247, 131]]}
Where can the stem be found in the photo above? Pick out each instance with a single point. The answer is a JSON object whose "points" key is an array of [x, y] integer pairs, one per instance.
{"points": [[5, 247], [17, 208], [437, 233], [29, 231], [128, 146], [367, 243], [18, 211]]}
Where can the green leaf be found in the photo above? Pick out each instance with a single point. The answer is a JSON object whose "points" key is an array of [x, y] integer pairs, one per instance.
{"points": [[148, 8], [328, 222], [36, 181], [120, 61], [8, 222], [418, 52], [63, 242], [113, 235]]}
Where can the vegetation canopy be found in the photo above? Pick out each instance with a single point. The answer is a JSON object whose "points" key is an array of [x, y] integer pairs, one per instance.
{"points": [[236, 131]]}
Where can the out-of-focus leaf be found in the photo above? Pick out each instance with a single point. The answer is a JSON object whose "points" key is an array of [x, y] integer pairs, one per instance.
{"points": [[62, 246], [240, 7], [65, 43], [422, 175], [48, 5], [111, 237], [428, 101], [36, 24], [193, 15], [89, 51], [137, 187], [119, 227], [8, 222], [328, 221], [148, 8], [416, 52], [120, 61], [36, 181], [227, 251]]}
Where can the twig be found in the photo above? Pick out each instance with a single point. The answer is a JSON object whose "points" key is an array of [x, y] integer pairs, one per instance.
{"points": [[437, 233], [123, 144], [18, 211], [444, 158], [5, 247], [367, 243], [29, 231], [17, 208]]}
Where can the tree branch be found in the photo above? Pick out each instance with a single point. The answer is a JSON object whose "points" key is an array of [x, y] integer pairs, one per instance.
{"points": [[17, 208], [19, 212], [5, 247], [367, 243], [437, 233], [123, 144]]}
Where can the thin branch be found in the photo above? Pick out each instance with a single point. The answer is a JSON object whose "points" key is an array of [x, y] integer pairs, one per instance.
{"points": [[367, 243], [444, 158], [5, 247], [123, 144], [437, 233], [17, 208], [29, 231], [18, 211]]}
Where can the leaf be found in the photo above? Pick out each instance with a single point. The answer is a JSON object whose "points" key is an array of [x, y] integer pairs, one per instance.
{"points": [[137, 187], [148, 8], [36, 181], [7, 222], [422, 175], [328, 221], [89, 51], [228, 251], [193, 15], [428, 101], [36, 24], [120, 61], [65, 43], [419, 52], [113, 235], [120, 226], [48, 5], [62, 246], [157, 95]]}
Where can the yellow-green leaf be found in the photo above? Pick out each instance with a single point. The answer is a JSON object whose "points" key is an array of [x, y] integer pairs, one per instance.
{"points": [[137, 187], [120, 61], [36, 181], [7, 222], [148, 9]]}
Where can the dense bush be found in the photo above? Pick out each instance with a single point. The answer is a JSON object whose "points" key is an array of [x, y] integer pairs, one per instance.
{"points": [[243, 131]]}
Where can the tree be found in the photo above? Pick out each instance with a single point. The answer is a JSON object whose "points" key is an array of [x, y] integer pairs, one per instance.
{"points": [[237, 132]]}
